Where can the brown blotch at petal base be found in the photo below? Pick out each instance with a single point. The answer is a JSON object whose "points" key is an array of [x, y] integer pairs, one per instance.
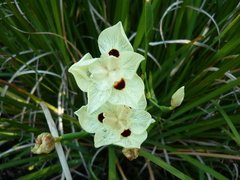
{"points": [[100, 117], [119, 85], [126, 133], [114, 52]]}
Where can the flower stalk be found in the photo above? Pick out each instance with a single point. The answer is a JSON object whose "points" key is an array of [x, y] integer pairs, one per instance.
{"points": [[71, 136]]}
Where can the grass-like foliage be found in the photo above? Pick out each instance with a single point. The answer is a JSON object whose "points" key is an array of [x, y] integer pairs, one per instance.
{"points": [[185, 43]]}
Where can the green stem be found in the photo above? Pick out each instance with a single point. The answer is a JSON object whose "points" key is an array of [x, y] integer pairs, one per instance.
{"points": [[112, 159], [164, 109], [71, 136]]}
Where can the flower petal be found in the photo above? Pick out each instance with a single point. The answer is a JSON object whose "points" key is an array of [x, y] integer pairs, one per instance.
{"points": [[129, 63], [88, 122], [132, 141], [130, 94], [105, 136], [97, 97], [140, 120], [142, 103], [115, 38], [80, 71]]}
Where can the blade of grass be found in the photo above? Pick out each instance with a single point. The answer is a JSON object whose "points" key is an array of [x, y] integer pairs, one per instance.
{"points": [[38, 100], [193, 161], [203, 167], [19, 162], [158, 161], [229, 122], [43, 173]]}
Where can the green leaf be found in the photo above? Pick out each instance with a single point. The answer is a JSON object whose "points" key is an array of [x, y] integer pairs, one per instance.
{"points": [[229, 122], [158, 161]]}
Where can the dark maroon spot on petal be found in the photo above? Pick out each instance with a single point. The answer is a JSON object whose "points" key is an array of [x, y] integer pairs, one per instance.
{"points": [[126, 133], [100, 117], [119, 85], [114, 52]]}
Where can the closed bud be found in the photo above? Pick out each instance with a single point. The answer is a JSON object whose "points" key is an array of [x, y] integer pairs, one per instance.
{"points": [[44, 144], [130, 153], [177, 98]]}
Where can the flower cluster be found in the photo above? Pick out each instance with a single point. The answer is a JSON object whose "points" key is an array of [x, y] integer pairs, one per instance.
{"points": [[116, 100]]}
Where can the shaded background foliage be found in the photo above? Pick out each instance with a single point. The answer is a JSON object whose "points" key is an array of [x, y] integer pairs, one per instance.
{"points": [[39, 40]]}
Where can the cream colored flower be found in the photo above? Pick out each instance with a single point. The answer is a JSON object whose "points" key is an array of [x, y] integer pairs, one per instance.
{"points": [[112, 77], [116, 124]]}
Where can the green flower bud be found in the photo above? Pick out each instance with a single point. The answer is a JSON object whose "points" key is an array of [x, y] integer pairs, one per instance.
{"points": [[44, 143], [177, 98]]}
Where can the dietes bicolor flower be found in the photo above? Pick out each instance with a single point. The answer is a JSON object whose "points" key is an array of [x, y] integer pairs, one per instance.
{"points": [[116, 124], [112, 77]]}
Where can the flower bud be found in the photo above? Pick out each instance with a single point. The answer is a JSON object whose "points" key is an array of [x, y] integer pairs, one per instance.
{"points": [[177, 98], [44, 143], [130, 153]]}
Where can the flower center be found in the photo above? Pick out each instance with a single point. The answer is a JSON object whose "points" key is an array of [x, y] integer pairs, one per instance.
{"points": [[100, 117], [114, 52], [126, 133], [119, 85]]}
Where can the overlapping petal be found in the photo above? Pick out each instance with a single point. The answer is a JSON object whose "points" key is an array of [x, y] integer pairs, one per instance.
{"points": [[105, 72], [142, 103]]}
